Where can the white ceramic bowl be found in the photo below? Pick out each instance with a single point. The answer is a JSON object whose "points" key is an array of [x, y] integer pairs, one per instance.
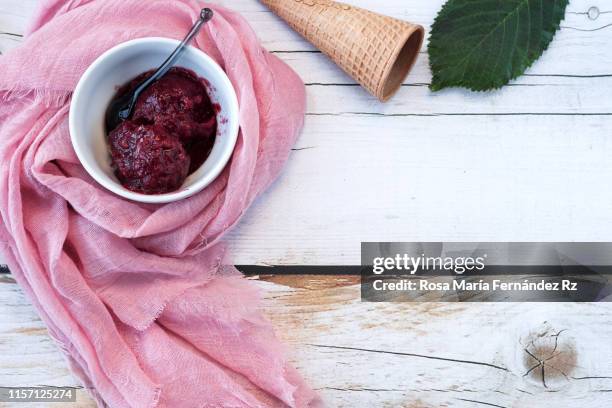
{"points": [[115, 68]]}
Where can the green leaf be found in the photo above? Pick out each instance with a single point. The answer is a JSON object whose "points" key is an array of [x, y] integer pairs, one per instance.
{"points": [[483, 44]]}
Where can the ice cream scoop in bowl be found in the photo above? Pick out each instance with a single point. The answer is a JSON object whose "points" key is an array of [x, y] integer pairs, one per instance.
{"points": [[99, 86], [122, 106]]}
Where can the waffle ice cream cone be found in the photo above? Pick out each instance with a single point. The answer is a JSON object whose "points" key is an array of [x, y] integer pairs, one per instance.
{"points": [[377, 51]]}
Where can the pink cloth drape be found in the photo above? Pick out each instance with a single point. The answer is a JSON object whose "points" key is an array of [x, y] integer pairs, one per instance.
{"points": [[136, 295]]}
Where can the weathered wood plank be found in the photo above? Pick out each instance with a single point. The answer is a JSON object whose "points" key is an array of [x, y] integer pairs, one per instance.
{"points": [[586, 96], [316, 69], [15, 15], [580, 48], [361, 178], [411, 355], [577, 27]]}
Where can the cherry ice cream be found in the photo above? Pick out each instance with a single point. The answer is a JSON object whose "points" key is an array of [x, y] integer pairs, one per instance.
{"points": [[169, 136]]}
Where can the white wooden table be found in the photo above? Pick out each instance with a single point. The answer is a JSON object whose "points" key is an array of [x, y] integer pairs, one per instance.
{"points": [[531, 162]]}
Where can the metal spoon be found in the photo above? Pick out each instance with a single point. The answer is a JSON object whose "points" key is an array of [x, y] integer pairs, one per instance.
{"points": [[120, 109]]}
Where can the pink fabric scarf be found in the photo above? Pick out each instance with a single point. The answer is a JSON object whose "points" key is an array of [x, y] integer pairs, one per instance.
{"points": [[135, 294]]}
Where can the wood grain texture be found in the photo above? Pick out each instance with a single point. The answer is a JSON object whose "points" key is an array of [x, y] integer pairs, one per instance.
{"points": [[528, 162], [391, 355]]}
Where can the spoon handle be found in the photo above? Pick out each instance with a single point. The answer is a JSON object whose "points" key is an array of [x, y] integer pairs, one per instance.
{"points": [[205, 16]]}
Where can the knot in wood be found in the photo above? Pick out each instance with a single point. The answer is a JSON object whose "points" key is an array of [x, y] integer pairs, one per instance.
{"points": [[549, 357]]}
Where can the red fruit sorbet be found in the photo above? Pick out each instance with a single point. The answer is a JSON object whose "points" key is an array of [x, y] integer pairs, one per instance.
{"points": [[170, 135], [147, 158]]}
